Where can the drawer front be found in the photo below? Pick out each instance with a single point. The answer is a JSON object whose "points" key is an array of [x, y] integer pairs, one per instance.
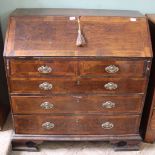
{"points": [[85, 85], [93, 124], [112, 68], [76, 104], [60, 67]]}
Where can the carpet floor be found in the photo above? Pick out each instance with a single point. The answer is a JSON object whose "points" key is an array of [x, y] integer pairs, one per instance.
{"points": [[67, 148]]}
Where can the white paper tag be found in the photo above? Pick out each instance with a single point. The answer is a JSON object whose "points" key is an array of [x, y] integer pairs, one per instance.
{"points": [[133, 19], [72, 18]]}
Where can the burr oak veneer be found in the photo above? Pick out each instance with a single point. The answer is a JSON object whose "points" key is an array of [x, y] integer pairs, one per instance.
{"points": [[61, 92]]}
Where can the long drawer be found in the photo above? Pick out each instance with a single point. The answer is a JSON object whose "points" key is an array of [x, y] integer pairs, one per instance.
{"points": [[68, 67], [73, 85], [93, 124], [76, 104]]}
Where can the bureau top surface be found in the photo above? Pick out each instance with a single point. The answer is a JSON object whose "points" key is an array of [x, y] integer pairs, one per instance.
{"points": [[53, 32]]}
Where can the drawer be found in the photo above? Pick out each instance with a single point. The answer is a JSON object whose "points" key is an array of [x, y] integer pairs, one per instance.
{"points": [[112, 68], [72, 85], [58, 67], [77, 124], [76, 104]]}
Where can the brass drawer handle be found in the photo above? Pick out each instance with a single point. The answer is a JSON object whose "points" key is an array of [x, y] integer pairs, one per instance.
{"points": [[48, 125], [112, 69], [45, 69], [46, 105], [107, 125], [45, 86], [108, 105], [110, 86]]}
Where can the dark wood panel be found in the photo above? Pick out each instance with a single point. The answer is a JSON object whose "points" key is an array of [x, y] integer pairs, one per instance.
{"points": [[118, 68], [73, 85], [93, 124], [4, 98], [48, 67], [76, 104]]}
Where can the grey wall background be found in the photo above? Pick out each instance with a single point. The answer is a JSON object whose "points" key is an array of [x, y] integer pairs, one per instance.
{"points": [[7, 6]]}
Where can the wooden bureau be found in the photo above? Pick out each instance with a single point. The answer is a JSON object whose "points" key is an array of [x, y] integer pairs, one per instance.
{"points": [[61, 92]]}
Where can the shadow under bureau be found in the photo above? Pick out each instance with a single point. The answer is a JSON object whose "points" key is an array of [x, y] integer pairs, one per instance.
{"points": [[61, 92]]}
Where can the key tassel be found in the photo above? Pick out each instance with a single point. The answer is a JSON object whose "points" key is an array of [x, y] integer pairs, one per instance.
{"points": [[80, 38]]}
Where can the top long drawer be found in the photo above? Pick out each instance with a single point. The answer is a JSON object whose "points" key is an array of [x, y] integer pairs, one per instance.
{"points": [[73, 67]]}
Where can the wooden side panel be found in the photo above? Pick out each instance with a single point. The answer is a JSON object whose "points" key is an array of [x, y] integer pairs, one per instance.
{"points": [[152, 123], [147, 126]]}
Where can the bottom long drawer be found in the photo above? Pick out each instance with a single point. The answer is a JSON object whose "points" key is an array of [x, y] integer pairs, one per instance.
{"points": [[75, 124]]}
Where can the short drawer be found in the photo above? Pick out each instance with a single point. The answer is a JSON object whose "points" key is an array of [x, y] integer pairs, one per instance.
{"points": [[51, 67], [83, 124], [83, 85], [76, 104], [112, 68]]}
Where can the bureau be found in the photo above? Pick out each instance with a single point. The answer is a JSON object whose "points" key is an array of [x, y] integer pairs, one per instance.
{"points": [[61, 91]]}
